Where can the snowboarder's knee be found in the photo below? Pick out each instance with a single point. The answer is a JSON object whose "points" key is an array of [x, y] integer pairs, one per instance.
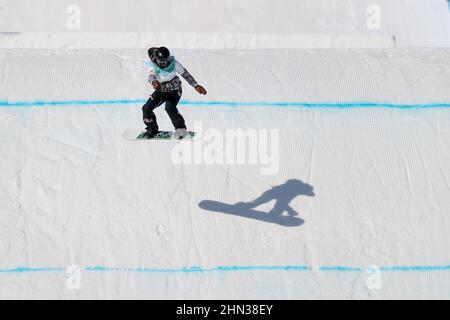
{"points": [[147, 107]]}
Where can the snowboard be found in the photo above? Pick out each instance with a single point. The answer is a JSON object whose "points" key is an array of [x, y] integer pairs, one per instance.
{"points": [[161, 135]]}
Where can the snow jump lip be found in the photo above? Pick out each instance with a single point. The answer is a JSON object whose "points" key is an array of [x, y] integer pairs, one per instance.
{"points": [[42, 103]]}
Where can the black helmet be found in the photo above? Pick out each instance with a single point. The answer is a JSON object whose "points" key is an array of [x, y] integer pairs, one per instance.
{"points": [[162, 53], [162, 57]]}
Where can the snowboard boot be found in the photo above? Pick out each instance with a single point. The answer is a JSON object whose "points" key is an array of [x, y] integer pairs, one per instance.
{"points": [[180, 133], [151, 131]]}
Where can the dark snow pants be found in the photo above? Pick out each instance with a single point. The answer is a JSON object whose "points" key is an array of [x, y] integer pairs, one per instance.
{"points": [[158, 98]]}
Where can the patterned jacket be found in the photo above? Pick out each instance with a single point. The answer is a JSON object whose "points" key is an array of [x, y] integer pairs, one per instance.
{"points": [[168, 77]]}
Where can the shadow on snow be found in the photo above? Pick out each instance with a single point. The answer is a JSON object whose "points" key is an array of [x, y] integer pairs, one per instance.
{"points": [[282, 194]]}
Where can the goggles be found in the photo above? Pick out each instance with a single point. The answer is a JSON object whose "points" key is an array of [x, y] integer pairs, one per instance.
{"points": [[163, 63]]}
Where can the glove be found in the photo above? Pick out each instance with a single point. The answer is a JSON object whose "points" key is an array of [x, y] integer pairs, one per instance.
{"points": [[156, 84], [200, 89]]}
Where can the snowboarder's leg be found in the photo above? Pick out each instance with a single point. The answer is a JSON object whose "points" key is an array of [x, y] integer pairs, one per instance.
{"points": [[155, 100], [291, 211], [171, 109], [278, 209], [264, 198]]}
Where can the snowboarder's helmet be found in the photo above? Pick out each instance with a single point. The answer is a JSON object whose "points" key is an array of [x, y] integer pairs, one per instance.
{"points": [[162, 57]]}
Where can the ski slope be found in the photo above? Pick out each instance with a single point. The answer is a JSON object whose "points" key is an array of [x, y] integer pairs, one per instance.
{"points": [[218, 24], [362, 158]]}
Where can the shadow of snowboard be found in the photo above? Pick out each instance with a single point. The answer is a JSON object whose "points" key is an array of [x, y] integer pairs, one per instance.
{"points": [[241, 211]]}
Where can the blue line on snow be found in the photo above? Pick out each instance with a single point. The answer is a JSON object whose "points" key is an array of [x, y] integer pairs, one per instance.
{"points": [[202, 270], [26, 270], [39, 103], [339, 269], [415, 268]]}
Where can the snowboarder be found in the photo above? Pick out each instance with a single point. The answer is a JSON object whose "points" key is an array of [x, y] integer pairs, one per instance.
{"points": [[163, 77]]}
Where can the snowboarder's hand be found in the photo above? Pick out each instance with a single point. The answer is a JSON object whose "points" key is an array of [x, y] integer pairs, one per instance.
{"points": [[200, 89], [156, 84]]}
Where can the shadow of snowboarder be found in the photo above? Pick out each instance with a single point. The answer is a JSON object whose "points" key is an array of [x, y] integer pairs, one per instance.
{"points": [[282, 194]]}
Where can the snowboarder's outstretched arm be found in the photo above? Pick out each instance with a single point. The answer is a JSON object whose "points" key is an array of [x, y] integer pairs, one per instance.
{"points": [[189, 78]]}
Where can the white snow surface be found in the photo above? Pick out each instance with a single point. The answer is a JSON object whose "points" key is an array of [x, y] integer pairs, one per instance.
{"points": [[74, 192], [424, 23]]}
